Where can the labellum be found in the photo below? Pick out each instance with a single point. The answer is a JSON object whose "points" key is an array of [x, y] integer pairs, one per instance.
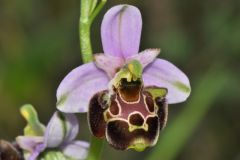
{"points": [[129, 115]]}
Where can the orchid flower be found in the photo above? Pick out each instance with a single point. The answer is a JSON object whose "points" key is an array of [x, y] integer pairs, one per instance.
{"points": [[59, 136], [120, 32], [125, 93]]}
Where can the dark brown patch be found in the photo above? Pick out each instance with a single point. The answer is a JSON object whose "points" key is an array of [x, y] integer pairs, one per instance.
{"points": [[153, 127], [9, 152], [118, 134], [120, 137], [95, 115], [114, 109], [130, 90], [162, 111], [149, 101], [136, 119]]}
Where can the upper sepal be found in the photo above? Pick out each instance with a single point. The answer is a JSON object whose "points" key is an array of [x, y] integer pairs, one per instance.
{"points": [[121, 31]]}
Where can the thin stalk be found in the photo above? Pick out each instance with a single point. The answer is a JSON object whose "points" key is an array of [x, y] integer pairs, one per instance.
{"points": [[95, 150], [85, 22], [97, 10], [84, 31]]}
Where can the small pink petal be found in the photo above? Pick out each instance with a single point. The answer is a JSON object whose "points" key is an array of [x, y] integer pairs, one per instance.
{"points": [[121, 31], [145, 57], [162, 73], [108, 63], [77, 88]]}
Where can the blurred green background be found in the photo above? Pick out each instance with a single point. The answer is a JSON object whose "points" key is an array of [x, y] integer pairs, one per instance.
{"points": [[39, 45]]}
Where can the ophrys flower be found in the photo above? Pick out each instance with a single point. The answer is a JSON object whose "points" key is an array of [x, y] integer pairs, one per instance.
{"points": [[127, 92], [58, 136], [120, 32]]}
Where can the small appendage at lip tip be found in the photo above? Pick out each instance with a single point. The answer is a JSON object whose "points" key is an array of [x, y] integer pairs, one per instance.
{"points": [[138, 145]]}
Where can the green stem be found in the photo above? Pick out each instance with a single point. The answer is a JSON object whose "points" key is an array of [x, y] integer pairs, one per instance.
{"points": [[84, 31], [95, 149], [97, 10], [86, 18]]}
